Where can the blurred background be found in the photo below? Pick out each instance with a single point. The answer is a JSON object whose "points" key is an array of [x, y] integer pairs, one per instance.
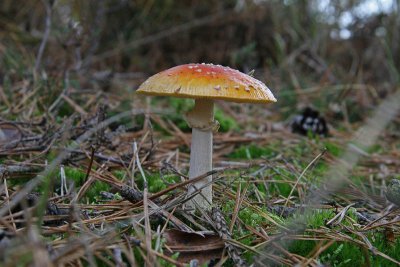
{"points": [[344, 51]]}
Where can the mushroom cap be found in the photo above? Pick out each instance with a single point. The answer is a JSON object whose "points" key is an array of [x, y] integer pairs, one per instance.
{"points": [[207, 81]]}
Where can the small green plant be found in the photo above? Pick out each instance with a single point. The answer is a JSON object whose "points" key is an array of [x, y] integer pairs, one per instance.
{"points": [[334, 258], [94, 190]]}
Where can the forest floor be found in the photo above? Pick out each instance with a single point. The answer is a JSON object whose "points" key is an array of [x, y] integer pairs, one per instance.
{"points": [[74, 165]]}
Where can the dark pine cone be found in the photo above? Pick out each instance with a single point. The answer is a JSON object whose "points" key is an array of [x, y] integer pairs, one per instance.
{"points": [[223, 231], [309, 121], [131, 194]]}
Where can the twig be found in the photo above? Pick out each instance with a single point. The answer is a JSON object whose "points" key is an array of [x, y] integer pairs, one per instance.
{"points": [[48, 7], [139, 165], [368, 226], [90, 165], [340, 215], [238, 203], [182, 184]]}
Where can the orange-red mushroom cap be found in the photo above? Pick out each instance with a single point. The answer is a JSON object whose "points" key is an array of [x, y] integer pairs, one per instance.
{"points": [[207, 81]]}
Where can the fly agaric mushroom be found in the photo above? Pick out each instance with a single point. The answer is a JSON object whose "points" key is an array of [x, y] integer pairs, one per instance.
{"points": [[205, 83]]}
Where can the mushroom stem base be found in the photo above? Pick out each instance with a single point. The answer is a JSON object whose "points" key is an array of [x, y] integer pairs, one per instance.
{"points": [[200, 164], [201, 153]]}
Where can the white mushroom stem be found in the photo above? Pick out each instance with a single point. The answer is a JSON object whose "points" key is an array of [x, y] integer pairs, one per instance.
{"points": [[201, 120]]}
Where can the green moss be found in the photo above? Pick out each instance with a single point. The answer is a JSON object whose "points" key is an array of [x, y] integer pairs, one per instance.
{"points": [[255, 218], [249, 217], [181, 105], [319, 169], [120, 174], [226, 123], [78, 177], [336, 255], [351, 213], [350, 254], [333, 148], [315, 219], [252, 152], [390, 249], [302, 247], [75, 174], [345, 253], [93, 193], [282, 189], [267, 189], [155, 183], [279, 188]]}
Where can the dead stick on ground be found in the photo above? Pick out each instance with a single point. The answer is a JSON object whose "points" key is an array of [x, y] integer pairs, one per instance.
{"points": [[90, 165]]}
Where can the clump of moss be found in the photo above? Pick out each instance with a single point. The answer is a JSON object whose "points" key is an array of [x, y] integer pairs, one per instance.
{"points": [[252, 152], [155, 183]]}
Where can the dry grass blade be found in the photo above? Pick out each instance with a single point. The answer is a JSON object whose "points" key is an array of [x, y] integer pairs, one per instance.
{"points": [[340, 216], [302, 174]]}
